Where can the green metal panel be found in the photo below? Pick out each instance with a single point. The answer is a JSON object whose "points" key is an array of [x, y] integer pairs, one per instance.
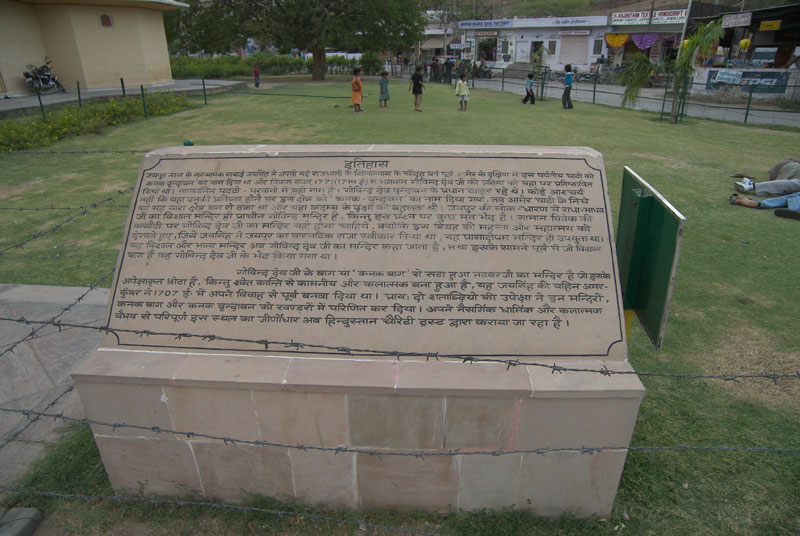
{"points": [[649, 238]]}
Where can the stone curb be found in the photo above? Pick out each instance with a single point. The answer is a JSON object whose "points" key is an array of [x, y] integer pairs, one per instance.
{"points": [[20, 522]]}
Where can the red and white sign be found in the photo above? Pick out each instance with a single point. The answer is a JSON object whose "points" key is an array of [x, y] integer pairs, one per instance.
{"points": [[664, 16]]}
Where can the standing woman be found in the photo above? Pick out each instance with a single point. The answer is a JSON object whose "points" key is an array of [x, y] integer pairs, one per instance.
{"points": [[355, 87], [416, 86], [566, 100]]}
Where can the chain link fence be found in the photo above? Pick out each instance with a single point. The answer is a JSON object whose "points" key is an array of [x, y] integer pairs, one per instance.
{"points": [[738, 103]]}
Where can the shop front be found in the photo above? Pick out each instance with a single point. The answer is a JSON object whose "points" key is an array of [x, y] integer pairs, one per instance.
{"points": [[556, 41], [656, 34]]}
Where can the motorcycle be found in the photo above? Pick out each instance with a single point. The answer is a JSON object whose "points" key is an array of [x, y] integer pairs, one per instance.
{"points": [[42, 78]]}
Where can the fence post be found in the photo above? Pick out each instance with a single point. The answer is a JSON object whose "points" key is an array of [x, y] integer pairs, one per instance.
{"points": [[749, 99], [205, 97], [503, 81], [144, 102], [594, 89], [39, 96], [543, 82], [78, 83], [122, 83]]}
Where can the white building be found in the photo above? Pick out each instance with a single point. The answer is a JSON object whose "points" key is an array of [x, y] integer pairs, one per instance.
{"points": [[578, 41]]}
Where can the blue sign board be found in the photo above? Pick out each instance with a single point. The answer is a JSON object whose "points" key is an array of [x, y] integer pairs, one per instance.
{"points": [[761, 81]]}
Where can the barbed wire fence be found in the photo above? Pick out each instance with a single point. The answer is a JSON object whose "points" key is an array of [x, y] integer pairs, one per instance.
{"points": [[34, 415], [396, 354], [362, 525]]}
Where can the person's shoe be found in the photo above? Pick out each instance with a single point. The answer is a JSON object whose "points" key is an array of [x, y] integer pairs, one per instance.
{"points": [[787, 213], [744, 185]]}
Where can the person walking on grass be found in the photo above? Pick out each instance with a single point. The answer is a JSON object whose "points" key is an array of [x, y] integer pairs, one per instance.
{"points": [[355, 86], [530, 89], [566, 100], [256, 76], [462, 92], [383, 97], [415, 86]]}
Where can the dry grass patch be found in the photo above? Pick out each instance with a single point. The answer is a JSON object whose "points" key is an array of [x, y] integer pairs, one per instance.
{"points": [[751, 351]]}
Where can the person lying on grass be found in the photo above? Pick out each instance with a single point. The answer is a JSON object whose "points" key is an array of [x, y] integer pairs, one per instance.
{"points": [[786, 206], [784, 178]]}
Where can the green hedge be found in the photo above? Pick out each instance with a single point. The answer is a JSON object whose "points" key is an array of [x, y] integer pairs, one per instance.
{"points": [[235, 66], [32, 131]]}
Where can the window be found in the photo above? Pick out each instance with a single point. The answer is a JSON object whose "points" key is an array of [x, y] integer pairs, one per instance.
{"points": [[105, 20], [504, 47], [598, 46], [551, 47]]}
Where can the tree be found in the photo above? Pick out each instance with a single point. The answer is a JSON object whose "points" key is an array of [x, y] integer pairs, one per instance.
{"points": [[363, 25], [211, 26], [636, 74]]}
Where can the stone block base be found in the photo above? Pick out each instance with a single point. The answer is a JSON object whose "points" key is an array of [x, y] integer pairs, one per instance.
{"points": [[369, 404]]}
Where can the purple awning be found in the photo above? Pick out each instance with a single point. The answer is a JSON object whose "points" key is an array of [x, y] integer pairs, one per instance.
{"points": [[644, 40]]}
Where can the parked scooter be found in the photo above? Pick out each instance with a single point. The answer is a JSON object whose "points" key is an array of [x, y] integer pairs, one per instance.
{"points": [[42, 77]]}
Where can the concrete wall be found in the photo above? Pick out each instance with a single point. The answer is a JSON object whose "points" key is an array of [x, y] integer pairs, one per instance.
{"points": [[59, 40], [134, 48], [20, 42], [376, 405]]}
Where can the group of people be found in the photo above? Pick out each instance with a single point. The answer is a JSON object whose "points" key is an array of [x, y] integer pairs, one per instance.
{"points": [[415, 86], [784, 182]]}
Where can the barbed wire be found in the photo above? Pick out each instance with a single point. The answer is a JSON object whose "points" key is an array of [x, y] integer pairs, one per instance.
{"points": [[109, 199], [30, 423], [465, 358], [53, 320], [217, 506], [401, 453]]}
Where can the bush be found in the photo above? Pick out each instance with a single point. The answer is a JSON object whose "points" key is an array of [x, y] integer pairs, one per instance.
{"points": [[234, 66], [27, 132], [370, 63]]}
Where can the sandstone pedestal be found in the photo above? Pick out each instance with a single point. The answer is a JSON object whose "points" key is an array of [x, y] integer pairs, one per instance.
{"points": [[328, 297]]}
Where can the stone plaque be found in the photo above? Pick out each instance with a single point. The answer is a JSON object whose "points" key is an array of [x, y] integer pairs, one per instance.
{"points": [[371, 250]]}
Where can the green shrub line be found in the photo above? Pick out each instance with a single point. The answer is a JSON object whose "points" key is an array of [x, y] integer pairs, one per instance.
{"points": [[268, 65], [17, 134]]}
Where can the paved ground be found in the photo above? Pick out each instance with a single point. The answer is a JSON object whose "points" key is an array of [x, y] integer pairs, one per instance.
{"points": [[27, 103], [37, 371]]}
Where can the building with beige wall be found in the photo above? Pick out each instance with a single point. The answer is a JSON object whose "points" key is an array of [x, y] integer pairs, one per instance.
{"points": [[94, 42]]}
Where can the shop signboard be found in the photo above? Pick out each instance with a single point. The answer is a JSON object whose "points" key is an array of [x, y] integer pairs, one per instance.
{"points": [[495, 23], [631, 18], [770, 26], [771, 81], [734, 20], [541, 22]]}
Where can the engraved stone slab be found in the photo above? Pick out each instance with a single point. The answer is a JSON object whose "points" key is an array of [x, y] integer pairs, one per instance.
{"points": [[371, 250]]}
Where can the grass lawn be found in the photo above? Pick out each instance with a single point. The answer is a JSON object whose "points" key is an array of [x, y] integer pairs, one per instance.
{"points": [[734, 308]]}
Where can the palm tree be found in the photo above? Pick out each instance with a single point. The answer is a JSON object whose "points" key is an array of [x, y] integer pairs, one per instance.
{"points": [[638, 70]]}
